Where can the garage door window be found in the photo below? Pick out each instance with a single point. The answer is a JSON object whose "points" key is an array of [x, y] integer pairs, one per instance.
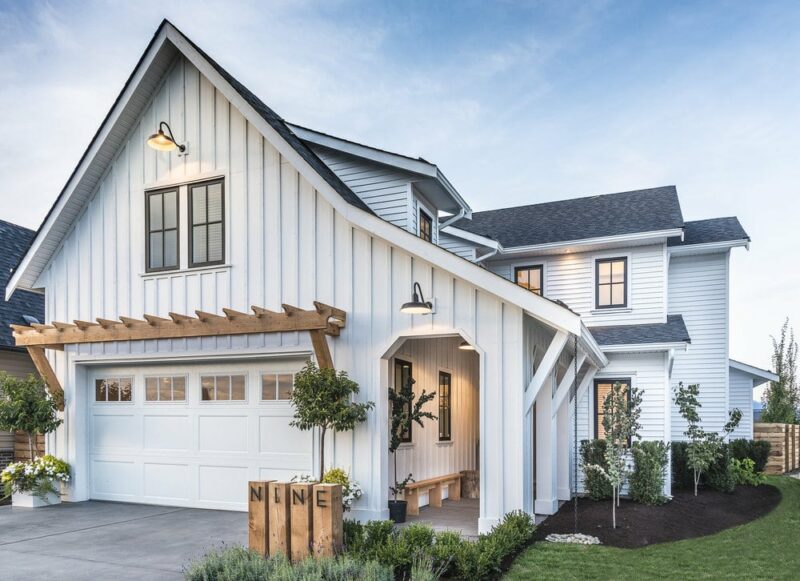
{"points": [[165, 388], [276, 386], [113, 389], [223, 387]]}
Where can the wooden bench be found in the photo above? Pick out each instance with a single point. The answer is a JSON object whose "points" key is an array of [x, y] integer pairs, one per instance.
{"points": [[433, 486]]}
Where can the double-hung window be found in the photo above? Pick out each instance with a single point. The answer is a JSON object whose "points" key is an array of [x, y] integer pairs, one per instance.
{"points": [[529, 277], [602, 387], [206, 217], [611, 282], [445, 391], [162, 230]]}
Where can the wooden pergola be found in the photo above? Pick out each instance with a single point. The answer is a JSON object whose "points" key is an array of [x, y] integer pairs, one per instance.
{"points": [[323, 320]]}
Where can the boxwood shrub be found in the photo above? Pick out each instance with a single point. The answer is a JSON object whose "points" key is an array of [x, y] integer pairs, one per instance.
{"points": [[755, 450], [596, 486], [649, 467]]}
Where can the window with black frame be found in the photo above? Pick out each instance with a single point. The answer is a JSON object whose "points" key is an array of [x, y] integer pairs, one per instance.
{"points": [[425, 226], [529, 277], [611, 280], [161, 222], [402, 380], [602, 387], [207, 219], [445, 391]]}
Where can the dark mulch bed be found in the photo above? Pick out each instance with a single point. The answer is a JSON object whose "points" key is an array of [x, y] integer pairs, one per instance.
{"points": [[684, 517]]}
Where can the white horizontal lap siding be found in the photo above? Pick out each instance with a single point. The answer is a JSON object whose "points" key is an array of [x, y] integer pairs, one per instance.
{"points": [[741, 396], [698, 290], [284, 244], [570, 278], [457, 246], [383, 189]]}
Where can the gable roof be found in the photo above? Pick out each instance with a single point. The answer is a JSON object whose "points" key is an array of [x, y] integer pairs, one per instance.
{"points": [[673, 331], [758, 375], [14, 240], [711, 230], [638, 211]]}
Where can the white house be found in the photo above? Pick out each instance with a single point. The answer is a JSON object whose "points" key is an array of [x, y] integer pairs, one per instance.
{"points": [[257, 212]]}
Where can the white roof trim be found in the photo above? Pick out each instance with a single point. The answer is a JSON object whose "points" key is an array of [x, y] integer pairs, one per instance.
{"points": [[758, 374], [654, 236], [474, 238], [642, 347], [708, 247]]}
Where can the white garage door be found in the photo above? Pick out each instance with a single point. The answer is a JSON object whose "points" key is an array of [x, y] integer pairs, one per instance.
{"points": [[192, 435]]}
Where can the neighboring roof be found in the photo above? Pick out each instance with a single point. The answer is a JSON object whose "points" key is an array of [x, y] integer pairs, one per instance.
{"points": [[709, 231], [673, 331], [755, 373], [651, 210], [14, 240]]}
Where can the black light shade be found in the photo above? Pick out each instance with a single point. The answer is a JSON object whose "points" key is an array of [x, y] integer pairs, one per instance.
{"points": [[418, 305], [163, 142]]}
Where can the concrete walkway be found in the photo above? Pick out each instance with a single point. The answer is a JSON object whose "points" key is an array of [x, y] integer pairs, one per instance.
{"points": [[459, 516], [108, 540]]}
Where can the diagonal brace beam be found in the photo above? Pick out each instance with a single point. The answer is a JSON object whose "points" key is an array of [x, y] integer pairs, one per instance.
{"points": [[44, 368], [548, 363], [566, 383]]}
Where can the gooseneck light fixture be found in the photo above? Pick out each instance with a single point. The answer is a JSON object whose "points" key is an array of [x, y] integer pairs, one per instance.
{"points": [[418, 305], [162, 141], [464, 346]]}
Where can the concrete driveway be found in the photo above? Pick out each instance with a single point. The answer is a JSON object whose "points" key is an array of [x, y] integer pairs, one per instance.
{"points": [[109, 540]]}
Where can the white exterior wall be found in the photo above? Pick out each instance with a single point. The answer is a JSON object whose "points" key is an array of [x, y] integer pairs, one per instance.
{"points": [[741, 396], [457, 246], [284, 244], [570, 278], [698, 290]]}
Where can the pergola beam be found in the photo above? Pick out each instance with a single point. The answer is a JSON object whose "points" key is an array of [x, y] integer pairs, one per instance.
{"points": [[50, 378]]}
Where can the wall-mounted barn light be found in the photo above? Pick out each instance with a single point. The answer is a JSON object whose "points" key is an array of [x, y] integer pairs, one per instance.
{"points": [[418, 305], [464, 346], [164, 141]]}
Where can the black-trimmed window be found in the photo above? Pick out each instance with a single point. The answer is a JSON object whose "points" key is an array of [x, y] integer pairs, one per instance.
{"points": [[445, 391], [602, 387], [161, 223], [402, 380], [611, 282], [207, 219], [530, 277], [425, 226]]}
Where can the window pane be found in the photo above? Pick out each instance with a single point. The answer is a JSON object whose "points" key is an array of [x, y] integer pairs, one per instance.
{"points": [[268, 387], [125, 390], [199, 244], [207, 388], [165, 389], [285, 381], [199, 205], [113, 389], [603, 272], [156, 222], [618, 271], [156, 250], [618, 294], [522, 278], [170, 210], [536, 279], [151, 389], [179, 388], [214, 242], [100, 390], [214, 203], [237, 388], [171, 248], [604, 295], [223, 387]]}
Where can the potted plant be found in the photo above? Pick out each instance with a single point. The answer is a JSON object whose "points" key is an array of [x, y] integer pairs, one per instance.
{"points": [[404, 410], [322, 399], [35, 483]]}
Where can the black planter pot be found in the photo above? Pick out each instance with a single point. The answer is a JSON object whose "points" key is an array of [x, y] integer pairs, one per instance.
{"points": [[397, 510]]}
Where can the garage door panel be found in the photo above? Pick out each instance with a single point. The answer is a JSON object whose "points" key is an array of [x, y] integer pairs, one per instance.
{"points": [[167, 481], [277, 474], [114, 478], [167, 433], [296, 462], [222, 433], [115, 431], [276, 435], [223, 484]]}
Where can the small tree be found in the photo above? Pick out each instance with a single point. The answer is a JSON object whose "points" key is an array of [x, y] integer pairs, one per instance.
{"points": [[26, 406], [322, 399], [405, 410], [781, 398], [621, 410], [704, 447]]}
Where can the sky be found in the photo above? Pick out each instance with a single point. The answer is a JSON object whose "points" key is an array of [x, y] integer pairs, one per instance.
{"points": [[517, 102]]}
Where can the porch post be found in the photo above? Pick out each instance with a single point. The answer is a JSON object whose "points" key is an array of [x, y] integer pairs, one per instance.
{"points": [[546, 453]]}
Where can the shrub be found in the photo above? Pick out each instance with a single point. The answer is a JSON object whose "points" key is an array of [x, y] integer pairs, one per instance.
{"points": [[37, 476], [239, 564], [682, 475], [593, 452], [719, 475], [647, 479], [353, 536], [744, 472], [755, 450], [483, 559], [444, 551]]}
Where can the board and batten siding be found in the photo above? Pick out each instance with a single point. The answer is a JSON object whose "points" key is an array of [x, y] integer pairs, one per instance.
{"points": [[383, 189], [285, 243], [741, 396], [570, 278], [698, 290]]}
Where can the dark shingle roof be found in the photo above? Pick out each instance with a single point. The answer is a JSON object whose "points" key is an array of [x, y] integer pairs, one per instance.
{"points": [[14, 241], [580, 218], [712, 230], [673, 331]]}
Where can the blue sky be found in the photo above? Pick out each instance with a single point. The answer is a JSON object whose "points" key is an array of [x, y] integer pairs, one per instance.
{"points": [[517, 102]]}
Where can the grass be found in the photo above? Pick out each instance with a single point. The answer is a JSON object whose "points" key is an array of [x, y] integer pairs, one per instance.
{"points": [[767, 548]]}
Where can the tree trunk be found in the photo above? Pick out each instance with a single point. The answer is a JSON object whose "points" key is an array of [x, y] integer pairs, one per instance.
{"points": [[31, 446], [613, 508], [696, 480], [322, 452]]}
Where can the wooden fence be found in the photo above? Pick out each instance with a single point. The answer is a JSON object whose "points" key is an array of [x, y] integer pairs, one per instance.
{"points": [[22, 449], [784, 439]]}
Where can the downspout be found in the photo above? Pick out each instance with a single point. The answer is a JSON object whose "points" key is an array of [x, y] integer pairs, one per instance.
{"points": [[453, 219]]}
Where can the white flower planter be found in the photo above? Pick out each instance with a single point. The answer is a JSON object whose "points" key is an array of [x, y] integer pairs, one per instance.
{"points": [[26, 500]]}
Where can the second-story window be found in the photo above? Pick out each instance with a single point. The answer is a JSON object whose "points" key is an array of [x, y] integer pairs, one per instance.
{"points": [[206, 216], [529, 277], [611, 281], [162, 230], [425, 226]]}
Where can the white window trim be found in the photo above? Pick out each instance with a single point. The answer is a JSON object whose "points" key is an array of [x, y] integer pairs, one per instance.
{"points": [[628, 282], [224, 402], [425, 206], [276, 401]]}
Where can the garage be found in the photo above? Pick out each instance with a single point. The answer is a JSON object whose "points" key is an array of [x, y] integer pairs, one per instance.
{"points": [[192, 434]]}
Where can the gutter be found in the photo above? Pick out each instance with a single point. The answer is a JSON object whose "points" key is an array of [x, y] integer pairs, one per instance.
{"points": [[452, 219]]}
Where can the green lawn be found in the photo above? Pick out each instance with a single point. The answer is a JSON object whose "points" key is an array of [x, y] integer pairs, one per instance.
{"points": [[767, 548]]}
